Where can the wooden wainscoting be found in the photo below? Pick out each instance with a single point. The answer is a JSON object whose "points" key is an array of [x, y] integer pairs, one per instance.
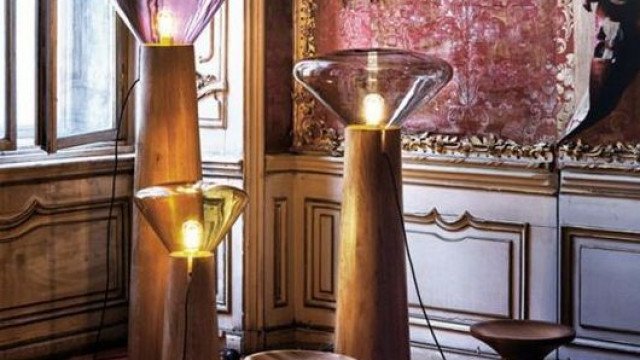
{"points": [[600, 259], [600, 291], [53, 223], [53, 219], [321, 253], [480, 253], [278, 247], [495, 266]]}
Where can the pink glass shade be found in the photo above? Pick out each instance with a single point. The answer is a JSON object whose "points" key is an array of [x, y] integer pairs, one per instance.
{"points": [[168, 208], [378, 87], [187, 18]]}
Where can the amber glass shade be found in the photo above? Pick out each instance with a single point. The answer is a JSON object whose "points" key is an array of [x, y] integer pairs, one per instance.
{"points": [[178, 213], [166, 22], [376, 87]]}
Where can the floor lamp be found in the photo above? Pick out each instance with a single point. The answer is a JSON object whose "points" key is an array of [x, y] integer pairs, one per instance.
{"points": [[168, 144], [372, 91], [191, 221]]}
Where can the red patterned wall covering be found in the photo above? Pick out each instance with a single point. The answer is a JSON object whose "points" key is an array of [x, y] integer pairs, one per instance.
{"points": [[513, 59], [279, 64]]}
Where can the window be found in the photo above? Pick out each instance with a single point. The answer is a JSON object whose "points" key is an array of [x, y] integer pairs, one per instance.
{"points": [[25, 71], [84, 84], [64, 65], [7, 133]]}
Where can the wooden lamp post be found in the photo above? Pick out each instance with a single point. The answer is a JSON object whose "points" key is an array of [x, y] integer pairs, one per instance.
{"points": [[372, 91], [168, 144], [191, 221]]}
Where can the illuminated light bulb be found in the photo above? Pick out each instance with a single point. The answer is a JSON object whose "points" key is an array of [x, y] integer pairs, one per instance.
{"points": [[192, 232], [344, 81], [166, 27], [373, 109], [372, 61], [192, 235]]}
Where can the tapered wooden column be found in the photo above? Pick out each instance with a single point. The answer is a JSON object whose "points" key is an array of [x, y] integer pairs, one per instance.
{"points": [[372, 315], [168, 150], [198, 291]]}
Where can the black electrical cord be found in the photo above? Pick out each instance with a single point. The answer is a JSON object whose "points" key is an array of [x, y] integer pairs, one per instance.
{"points": [[406, 245], [186, 320], [111, 206]]}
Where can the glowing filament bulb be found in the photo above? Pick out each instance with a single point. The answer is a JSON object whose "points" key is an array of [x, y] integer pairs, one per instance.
{"points": [[192, 235], [373, 109], [166, 27]]}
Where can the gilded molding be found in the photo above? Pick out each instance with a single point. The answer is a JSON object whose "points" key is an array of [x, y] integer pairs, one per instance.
{"points": [[310, 130], [485, 148], [305, 22], [618, 156]]}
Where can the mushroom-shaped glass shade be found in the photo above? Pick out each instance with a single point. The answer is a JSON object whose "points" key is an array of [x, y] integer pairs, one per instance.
{"points": [[166, 22], [191, 218], [376, 87]]}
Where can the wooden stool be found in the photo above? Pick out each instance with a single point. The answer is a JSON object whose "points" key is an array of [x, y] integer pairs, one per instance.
{"points": [[297, 355], [522, 339]]}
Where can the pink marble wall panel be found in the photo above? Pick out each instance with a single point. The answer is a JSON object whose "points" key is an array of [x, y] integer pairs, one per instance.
{"points": [[512, 58]]}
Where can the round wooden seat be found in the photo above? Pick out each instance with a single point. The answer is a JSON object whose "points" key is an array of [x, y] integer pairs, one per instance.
{"points": [[297, 355], [522, 339]]}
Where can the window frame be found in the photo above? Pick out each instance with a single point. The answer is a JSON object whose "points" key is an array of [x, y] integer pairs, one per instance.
{"points": [[46, 128], [8, 140]]}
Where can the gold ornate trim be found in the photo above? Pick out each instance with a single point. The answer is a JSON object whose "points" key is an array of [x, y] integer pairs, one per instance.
{"points": [[305, 26], [310, 130], [488, 148], [619, 156]]}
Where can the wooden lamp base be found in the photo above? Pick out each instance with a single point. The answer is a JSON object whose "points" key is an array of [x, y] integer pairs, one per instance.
{"points": [[197, 317], [372, 315], [168, 151]]}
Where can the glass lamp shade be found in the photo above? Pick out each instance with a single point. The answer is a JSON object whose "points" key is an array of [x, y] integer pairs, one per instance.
{"points": [[374, 87], [166, 22], [191, 219]]}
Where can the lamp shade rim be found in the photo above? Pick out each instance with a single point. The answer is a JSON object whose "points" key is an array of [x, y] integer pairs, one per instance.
{"points": [[186, 254], [380, 51], [160, 46]]}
